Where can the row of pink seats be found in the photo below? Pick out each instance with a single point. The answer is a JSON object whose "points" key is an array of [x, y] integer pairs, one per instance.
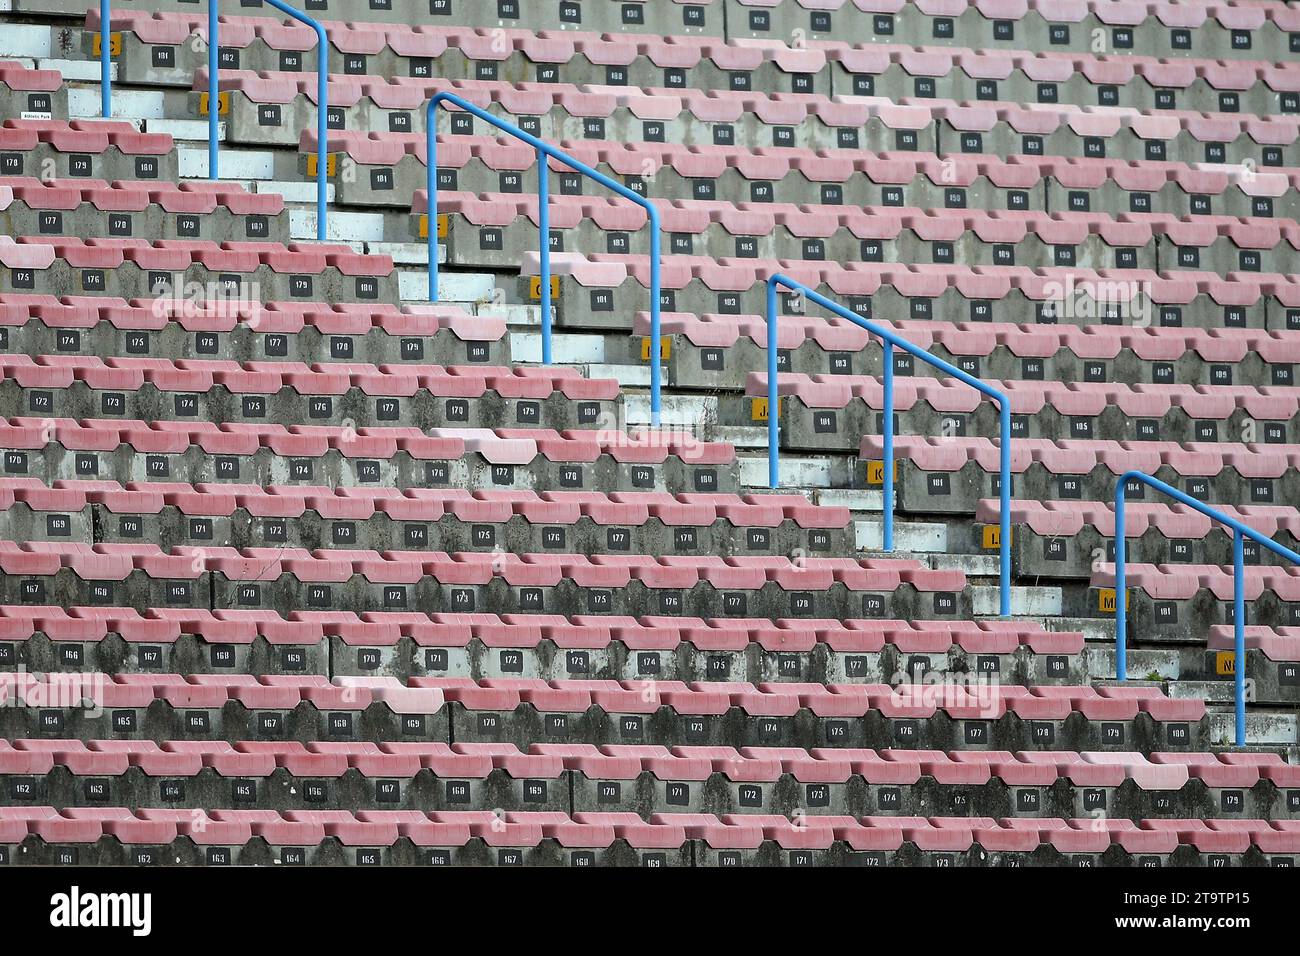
{"points": [[1230, 14], [261, 758], [1048, 66], [1180, 582], [426, 695], [474, 43], [281, 692], [1046, 285], [220, 315], [383, 828], [706, 161], [114, 562], [687, 52], [1277, 644], [201, 375], [1159, 772], [833, 334], [81, 136], [787, 109], [1273, 403], [503, 446], [1068, 518], [694, 217], [422, 504], [823, 700], [135, 195], [1082, 456], [23, 78], [179, 254], [385, 629]]}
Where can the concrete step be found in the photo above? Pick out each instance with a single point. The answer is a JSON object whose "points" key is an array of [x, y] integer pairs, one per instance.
{"points": [[185, 130], [972, 565], [1143, 664], [692, 412], [403, 253], [459, 287], [743, 436], [1276, 728], [357, 229], [565, 349], [26, 41], [851, 498], [81, 71], [235, 164], [291, 191], [1216, 691], [517, 316], [1093, 628], [413, 253], [136, 104], [908, 536], [796, 474], [627, 376], [1033, 601], [896, 555]]}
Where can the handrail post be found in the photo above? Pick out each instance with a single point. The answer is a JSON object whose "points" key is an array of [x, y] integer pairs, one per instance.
{"points": [[1239, 631], [431, 194], [322, 110], [655, 335], [544, 150], [773, 398], [105, 61], [544, 249], [214, 92], [1121, 585], [887, 465], [1004, 519]]}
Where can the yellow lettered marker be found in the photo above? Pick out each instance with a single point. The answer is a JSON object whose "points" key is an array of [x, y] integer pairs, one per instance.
{"points": [[1225, 663], [535, 287], [1106, 600], [876, 472], [223, 106], [424, 221], [331, 162], [991, 536], [114, 44], [665, 348]]}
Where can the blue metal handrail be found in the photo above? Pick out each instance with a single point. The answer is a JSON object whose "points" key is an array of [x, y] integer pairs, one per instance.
{"points": [[105, 68], [214, 93], [1240, 532], [889, 341], [544, 150], [322, 102]]}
